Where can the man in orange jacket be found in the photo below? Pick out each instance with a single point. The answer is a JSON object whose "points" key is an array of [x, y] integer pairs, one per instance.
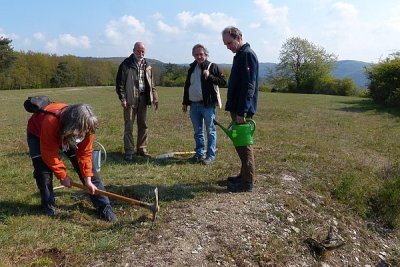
{"points": [[72, 129]]}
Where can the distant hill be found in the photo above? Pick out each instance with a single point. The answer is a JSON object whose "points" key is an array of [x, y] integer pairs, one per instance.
{"points": [[352, 69], [344, 68]]}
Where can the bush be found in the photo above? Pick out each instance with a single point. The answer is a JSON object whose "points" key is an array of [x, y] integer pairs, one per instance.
{"points": [[371, 197], [354, 192], [333, 86], [264, 87], [384, 79], [386, 202]]}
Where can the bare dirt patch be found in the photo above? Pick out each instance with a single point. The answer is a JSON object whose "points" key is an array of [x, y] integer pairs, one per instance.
{"points": [[265, 228], [45, 257]]}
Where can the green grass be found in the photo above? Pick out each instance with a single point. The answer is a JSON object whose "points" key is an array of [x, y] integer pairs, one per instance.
{"points": [[338, 145]]}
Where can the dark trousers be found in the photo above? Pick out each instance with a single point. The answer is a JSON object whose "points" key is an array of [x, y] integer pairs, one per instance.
{"points": [[246, 155], [44, 176]]}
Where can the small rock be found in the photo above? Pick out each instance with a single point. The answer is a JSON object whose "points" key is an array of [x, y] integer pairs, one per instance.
{"points": [[383, 253], [295, 229]]}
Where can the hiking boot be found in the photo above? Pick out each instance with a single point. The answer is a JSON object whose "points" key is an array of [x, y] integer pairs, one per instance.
{"points": [[107, 214], [49, 210], [239, 186], [196, 159], [231, 179], [234, 179], [207, 161], [129, 157]]}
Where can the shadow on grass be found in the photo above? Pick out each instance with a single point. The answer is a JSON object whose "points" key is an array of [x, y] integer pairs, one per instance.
{"points": [[118, 158], [174, 192], [365, 105], [81, 203]]}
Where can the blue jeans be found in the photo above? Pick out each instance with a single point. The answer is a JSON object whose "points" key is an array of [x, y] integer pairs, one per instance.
{"points": [[44, 176], [200, 115]]}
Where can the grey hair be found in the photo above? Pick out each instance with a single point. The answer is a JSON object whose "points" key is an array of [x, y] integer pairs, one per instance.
{"points": [[200, 46], [77, 120], [232, 32]]}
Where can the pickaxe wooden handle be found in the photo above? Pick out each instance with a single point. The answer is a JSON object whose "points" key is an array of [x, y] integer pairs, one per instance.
{"points": [[153, 207]]}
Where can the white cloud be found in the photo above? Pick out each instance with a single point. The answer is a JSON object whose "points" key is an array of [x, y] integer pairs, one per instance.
{"points": [[157, 16], [125, 29], [69, 40], [273, 15], [52, 46], [11, 36], [2, 33], [345, 10], [214, 21], [255, 25], [391, 21], [39, 36], [65, 42], [166, 28]]}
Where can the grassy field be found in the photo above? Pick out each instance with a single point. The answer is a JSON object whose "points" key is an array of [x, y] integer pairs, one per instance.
{"points": [[343, 147]]}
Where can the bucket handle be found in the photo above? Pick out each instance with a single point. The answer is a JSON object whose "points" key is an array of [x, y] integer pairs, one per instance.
{"points": [[252, 124], [103, 149]]}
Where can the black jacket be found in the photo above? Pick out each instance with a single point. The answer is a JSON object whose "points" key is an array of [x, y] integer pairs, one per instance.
{"points": [[207, 86]]}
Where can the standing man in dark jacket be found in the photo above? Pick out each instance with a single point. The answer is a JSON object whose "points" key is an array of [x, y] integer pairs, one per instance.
{"points": [[136, 90], [200, 94], [242, 101]]}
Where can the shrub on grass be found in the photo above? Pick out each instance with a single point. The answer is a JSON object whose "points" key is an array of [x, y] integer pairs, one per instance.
{"points": [[384, 79], [353, 191], [387, 202]]}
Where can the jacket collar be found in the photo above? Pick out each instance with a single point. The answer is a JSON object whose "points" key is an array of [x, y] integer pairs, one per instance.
{"points": [[203, 65], [132, 62]]}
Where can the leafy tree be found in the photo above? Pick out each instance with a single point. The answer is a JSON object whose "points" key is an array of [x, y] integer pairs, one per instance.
{"points": [[303, 65], [97, 73], [7, 54], [174, 75], [384, 79], [63, 76]]}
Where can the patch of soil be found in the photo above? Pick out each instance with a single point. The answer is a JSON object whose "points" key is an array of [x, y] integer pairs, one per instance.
{"points": [[45, 257], [271, 226]]}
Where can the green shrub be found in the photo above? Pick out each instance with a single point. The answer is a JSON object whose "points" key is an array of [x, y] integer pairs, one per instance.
{"points": [[264, 87], [354, 191], [384, 81], [333, 86], [388, 202]]}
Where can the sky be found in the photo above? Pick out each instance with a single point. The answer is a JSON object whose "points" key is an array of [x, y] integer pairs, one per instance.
{"points": [[364, 30]]}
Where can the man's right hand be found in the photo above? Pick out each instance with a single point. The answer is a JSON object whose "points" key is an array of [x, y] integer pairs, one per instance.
{"points": [[67, 181], [184, 108], [123, 103]]}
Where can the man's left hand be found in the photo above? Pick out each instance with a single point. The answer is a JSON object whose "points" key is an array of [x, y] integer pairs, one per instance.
{"points": [[155, 104], [90, 187]]}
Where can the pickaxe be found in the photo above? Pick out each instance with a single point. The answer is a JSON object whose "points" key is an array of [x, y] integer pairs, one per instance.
{"points": [[153, 207]]}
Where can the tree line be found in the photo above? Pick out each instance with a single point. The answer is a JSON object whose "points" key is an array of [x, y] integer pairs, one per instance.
{"points": [[26, 70], [303, 67]]}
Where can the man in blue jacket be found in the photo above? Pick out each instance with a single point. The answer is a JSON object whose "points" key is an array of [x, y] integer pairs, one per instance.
{"points": [[242, 102]]}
